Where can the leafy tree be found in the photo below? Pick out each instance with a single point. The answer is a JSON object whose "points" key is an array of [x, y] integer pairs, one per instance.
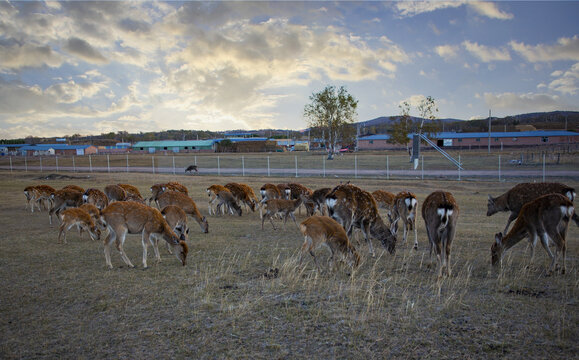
{"points": [[428, 110], [330, 116], [402, 126]]}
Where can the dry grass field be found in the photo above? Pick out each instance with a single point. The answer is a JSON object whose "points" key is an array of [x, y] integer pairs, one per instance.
{"points": [[243, 295]]}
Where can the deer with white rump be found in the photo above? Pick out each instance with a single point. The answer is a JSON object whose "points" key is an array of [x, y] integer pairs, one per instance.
{"points": [[514, 199], [129, 217], [321, 231], [440, 213], [405, 207], [353, 207], [545, 218], [80, 218]]}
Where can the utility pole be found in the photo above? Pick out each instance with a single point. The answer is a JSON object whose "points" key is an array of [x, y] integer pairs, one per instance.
{"points": [[489, 131]]}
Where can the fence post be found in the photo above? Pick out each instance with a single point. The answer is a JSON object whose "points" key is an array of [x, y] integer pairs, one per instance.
{"points": [[40, 163], [195, 160], [90, 163], [108, 164], [324, 161], [10, 164], [268, 171], [242, 165], [56, 159], [173, 165], [499, 168], [73, 164], [422, 167], [25, 164], [387, 168], [127, 162], [460, 164], [218, 167], [296, 160], [543, 167], [355, 166], [153, 160]]}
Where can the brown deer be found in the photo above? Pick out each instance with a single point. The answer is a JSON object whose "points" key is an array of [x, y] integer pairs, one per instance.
{"points": [[158, 189], [405, 205], [298, 190], [385, 200], [31, 195], [73, 187], [514, 199], [243, 194], [44, 195], [321, 231], [319, 198], [115, 193], [545, 218], [177, 220], [226, 198], [192, 168], [131, 191], [62, 199], [131, 217], [440, 213], [95, 197], [353, 208], [186, 203], [95, 214], [282, 207], [80, 218], [270, 191], [212, 192]]}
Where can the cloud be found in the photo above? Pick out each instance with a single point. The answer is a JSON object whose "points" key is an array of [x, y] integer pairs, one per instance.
{"points": [[413, 8], [15, 56], [529, 102], [85, 51], [485, 53], [564, 49], [447, 52], [566, 82]]}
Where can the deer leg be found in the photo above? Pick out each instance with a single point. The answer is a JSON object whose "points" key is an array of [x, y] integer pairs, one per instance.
{"points": [[271, 221], [111, 237], [415, 237], [512, 218], [294, 219], [60, 232], [366, 230], [144, 241], [545, 243], [154, 243], [120, 242]]}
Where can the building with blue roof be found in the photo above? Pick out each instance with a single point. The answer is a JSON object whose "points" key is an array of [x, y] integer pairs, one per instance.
{"points": [[57, 149]]}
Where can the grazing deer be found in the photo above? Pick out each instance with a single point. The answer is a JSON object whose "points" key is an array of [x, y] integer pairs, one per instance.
{"points": [[158, 189], [282, 207], [95, 214], [514, 199], [74, 187], [405, 205], [62, 199], [353, 208], [212, 192], [545, 218], [95, 197], [131, 217], [226, 198], [115, 193], [440, 213], [298, 190], [31, 195], [80, 218], [324, 231], [243, 194], [44, 195], [177, 220], [192, 168], [131, 191], [319, 198], [385, 200], [186, 203]]}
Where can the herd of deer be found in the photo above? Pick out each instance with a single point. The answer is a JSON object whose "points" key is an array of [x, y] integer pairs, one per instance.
{"points": [[542, 211]]}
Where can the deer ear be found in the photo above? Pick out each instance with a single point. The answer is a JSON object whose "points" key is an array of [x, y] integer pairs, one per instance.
{"points": [[491, 200], [499, 238]]}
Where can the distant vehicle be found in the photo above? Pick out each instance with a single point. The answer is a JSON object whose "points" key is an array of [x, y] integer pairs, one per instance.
{"points": [[345, 149]]}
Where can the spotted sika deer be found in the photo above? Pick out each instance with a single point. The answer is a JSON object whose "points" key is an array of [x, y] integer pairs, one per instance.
{"points": [[283, 207], [545, 218], [385, 200], [298, 190], [129, 217], [115, 193], [514, 199], [62, 199], [227, 200], [186, 203], [321, 231], [132, 191], [80, 218], [405, 205], [353, 207], [212, 192], [95, 197], [440, 213], [158, 189], [177, 220], [31, 195], [243, 194], [44, 195]]}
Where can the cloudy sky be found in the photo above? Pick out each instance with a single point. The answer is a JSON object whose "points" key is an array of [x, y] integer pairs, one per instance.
{"points": [[95, 67]]}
